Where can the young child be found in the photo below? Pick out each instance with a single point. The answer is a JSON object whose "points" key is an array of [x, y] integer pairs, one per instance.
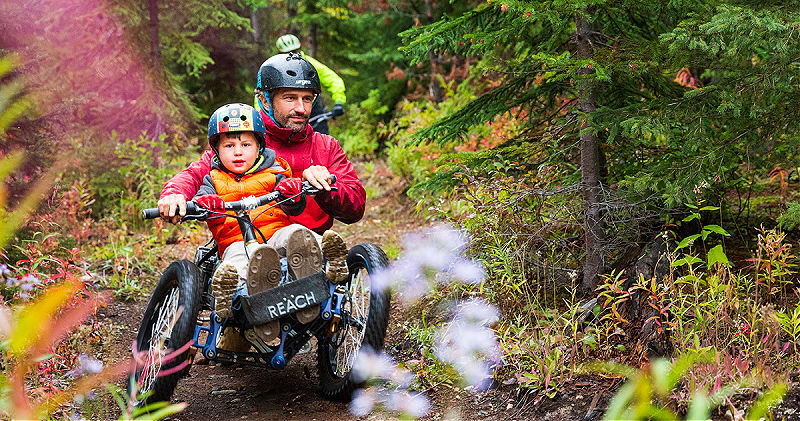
{"points": [[243, 166]]}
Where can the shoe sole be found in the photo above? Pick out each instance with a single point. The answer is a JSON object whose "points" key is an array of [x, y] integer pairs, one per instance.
{"points": [[263, 270], [264, 273], [223, 284], [334, 250], [304, 258], [303, 254]]}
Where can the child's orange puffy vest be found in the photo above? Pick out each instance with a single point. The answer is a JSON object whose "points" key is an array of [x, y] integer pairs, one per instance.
{"points": [[226, 230]]}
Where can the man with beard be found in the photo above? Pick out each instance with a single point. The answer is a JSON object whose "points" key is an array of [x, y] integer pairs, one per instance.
{"points": [[286, 88]]}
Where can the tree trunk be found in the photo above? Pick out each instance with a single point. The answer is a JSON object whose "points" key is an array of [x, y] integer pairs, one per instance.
{"points": [[312, 30], [291, 13], [590, 160], [435, 87], [256, 25], [155, 43]]}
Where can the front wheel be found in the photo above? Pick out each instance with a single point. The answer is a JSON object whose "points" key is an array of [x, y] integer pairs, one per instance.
{"points": [[370, 309], [168, 324]]}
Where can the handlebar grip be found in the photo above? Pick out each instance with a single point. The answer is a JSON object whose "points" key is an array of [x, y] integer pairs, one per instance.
{"points": [[150, 213], [153, 213], [333, 178]]}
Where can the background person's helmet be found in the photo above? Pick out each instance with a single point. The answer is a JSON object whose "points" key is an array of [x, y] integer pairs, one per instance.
{"points": [[235, 118], [287, 43], [287, 71]]}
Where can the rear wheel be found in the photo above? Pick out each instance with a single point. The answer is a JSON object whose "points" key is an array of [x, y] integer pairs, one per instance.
{"points": [[168, 324], [369, 310]]}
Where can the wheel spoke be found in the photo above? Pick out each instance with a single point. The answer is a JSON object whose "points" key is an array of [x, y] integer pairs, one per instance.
{"points": [[161, 330], [358, 307]]}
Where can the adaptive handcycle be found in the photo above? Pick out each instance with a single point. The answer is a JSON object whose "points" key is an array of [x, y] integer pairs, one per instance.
{"points": [[181, 314]]}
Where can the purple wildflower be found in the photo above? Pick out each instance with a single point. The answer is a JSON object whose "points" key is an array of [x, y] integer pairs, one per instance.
{"points": [[477, 311], [87, 364], [430, 257], [5, 321], [363, 402], [370, 365], [467, 271], [468, 344], [413, 404]]}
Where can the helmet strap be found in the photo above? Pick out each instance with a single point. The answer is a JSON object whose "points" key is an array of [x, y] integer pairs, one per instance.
{"points": [[266, 109]]}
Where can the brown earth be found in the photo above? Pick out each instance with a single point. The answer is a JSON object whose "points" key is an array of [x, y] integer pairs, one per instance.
{"points": [[216, 392]]}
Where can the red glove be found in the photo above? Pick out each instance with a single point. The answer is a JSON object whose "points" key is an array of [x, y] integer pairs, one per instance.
{"points": [[290, 187], [211, 202]]}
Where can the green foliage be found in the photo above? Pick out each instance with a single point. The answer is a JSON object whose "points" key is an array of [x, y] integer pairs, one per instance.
{"points": [[790, 220], [12, 102], [652, 129], [637, 399], [143, 165]]}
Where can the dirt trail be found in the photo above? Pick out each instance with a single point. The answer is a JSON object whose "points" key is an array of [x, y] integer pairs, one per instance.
{"points": [[215, 392]]}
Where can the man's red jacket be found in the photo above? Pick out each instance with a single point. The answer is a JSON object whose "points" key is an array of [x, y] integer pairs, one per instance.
{"points": [[301, 150]]}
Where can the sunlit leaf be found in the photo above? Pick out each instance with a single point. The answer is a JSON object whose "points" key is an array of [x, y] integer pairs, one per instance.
{"points": [[36, 318], [716, 255], [769, 399], [698, 407]]}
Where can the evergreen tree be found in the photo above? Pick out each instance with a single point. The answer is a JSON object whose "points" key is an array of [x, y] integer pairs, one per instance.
{"points": [[611, 64]]}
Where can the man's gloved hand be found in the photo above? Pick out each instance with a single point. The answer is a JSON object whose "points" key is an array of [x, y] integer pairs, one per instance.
{"points": [[337, 110], [211, 202], [290, 187]]}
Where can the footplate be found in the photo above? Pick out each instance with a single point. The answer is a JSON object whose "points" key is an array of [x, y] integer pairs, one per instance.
{"points": [[285, 299]]}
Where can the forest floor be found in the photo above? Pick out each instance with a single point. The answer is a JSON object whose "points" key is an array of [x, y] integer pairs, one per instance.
{"points": [[215, 392]]}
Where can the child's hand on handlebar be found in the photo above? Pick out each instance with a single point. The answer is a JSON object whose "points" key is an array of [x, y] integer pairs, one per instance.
{"points": [[290, 187], [172, 207], [318, 176], [211, 202]]}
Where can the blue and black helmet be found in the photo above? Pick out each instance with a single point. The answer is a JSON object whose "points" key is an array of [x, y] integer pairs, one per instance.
{"points": [[287, 71]]}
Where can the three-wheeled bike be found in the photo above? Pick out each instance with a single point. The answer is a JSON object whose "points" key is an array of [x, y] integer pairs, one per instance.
{"points": [[349, 315]]}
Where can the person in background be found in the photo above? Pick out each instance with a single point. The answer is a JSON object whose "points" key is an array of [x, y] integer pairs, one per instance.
{"points": [[328, 78]]}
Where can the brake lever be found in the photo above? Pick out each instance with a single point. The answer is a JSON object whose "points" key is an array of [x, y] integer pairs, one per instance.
{"points": [[197, 217]]}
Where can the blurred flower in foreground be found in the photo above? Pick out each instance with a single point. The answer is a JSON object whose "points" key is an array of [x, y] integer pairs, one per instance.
{"points": [[430, 257], [469, 345], [390, 386], [87, 364]]}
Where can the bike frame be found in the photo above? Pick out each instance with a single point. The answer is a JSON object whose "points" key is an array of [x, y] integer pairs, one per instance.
{"points": [[293, 333]]}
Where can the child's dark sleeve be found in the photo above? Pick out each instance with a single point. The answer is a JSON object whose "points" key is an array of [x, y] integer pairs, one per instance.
{"points": [[207, 187], [187, 181], [291, 207]]}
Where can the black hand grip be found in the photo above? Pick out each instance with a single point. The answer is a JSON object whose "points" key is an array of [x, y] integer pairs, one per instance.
{"points": [[150, 213], [153, 213], [333, 178]]}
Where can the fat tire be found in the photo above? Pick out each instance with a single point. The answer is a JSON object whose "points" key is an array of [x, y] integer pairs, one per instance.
{"points": [[363, 256], [185, 276]]}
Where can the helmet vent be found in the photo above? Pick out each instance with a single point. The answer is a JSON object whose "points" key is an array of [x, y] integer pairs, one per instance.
{"points": [[226, 118], [243, 118], [291, 73]]}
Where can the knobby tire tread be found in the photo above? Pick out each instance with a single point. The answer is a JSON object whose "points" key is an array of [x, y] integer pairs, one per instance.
{"points": [[341, 389], [187, 277]]}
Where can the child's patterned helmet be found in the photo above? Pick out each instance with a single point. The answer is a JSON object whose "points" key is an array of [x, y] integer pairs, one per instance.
{"points": [[235, 118]]}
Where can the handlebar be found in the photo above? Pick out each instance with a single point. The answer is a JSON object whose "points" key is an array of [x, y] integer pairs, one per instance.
{"points": [[195, 211], [320, 118]]}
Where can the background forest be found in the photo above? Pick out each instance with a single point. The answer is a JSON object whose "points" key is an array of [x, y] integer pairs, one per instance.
{"points": [[626, 172]]}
